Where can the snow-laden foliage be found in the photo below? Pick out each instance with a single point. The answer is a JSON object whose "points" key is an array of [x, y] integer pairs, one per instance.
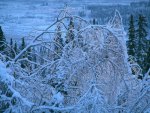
{"points": [[10, 99], [78, 68]]}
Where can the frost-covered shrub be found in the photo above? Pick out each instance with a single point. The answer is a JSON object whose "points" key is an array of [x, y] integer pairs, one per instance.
{"points": [[89, 73]]}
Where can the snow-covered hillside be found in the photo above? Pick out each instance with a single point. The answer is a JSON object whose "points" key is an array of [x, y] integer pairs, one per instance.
{"points": [[20, 18]]}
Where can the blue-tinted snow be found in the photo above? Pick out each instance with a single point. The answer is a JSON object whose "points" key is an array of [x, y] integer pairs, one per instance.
{"points": [[19, 18]]}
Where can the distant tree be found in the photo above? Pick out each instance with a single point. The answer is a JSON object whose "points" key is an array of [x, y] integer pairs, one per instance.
{"points": [[11, 42], [2, 40], [94, 21], [29, 56], [15, 47], [34, 57], [142, 42], [58, 42], [70, 34], [11, 48], [23, 44], [29, 53], [132, 41]]}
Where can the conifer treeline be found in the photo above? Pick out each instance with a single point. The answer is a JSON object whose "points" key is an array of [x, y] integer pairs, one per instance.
{"points": [[139, 42], [11, 48], [59, 43], [2, 40]]}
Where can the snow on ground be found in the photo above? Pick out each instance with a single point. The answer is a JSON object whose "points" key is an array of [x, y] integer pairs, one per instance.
{"points": [[19, 19], [4, 74]]}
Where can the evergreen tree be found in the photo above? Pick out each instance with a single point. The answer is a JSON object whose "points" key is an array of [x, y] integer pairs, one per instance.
{"points": [[2, 40], [70, 34], [11, 49], [131, 42], [142, 42], [147, 60], [11, 42], [34, 57], [15, 47], [29, 53], [23, 44], [94, 21], [29, 56], [58, 43], [23, 64]]}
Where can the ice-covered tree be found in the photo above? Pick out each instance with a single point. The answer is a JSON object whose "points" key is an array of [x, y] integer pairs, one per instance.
{"points": [[58, 43], [70, 33], [95, 79]]}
